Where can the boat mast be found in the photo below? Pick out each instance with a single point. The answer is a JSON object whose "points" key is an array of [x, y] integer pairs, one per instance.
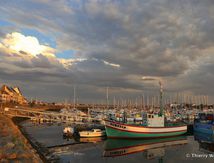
{"points": [[74, 100], [161, 98], [107, 99]]}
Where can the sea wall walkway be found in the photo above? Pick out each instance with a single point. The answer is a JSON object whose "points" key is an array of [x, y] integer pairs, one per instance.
{"points": [[14, 147]]}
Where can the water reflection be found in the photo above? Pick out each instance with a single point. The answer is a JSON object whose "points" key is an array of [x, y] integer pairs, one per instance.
{"points": [[206, 141], [91, 150], [152, 148], [90, 140]]}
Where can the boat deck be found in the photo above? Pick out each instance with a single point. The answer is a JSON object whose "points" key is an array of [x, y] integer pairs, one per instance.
{"points": [[167, 124]]}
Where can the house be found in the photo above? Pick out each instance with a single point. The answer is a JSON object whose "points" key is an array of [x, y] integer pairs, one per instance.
{"points": [[11, 94]]}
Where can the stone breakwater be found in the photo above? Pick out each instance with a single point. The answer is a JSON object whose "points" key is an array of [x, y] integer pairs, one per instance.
{"points": [[14, 147]]}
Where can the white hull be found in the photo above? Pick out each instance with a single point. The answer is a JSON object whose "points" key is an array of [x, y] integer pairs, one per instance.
{"points": [[139, 129], [89, 134]]}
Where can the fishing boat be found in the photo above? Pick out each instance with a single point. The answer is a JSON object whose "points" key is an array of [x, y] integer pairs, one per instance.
{"points": [[121, 147], [152, 126], [204, 123], [92, 133]]}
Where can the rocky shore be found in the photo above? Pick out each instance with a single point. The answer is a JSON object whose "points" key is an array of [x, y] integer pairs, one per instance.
{"points": [[14, 147]]}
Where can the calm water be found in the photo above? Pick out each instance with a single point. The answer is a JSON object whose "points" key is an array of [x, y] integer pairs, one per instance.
{"points": [[169, 150]]}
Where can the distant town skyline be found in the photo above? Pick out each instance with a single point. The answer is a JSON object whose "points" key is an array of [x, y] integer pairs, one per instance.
{"points": [[49, 47]]}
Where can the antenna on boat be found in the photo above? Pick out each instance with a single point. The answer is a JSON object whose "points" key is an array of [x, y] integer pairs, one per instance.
{"points": [[161, 98], [151, 78]]}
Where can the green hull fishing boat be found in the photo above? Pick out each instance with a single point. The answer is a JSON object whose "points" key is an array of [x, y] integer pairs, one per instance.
{"points": [[123, 130], [153, 126]]}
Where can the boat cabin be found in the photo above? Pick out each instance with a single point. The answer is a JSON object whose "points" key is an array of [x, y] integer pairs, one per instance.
{"points": [[153, 120]]}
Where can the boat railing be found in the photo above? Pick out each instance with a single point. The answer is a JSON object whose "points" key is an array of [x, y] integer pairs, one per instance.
{"points": [[174, 124]]}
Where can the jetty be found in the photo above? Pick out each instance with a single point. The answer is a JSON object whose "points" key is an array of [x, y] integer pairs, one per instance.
{"points": [[46, 116]]}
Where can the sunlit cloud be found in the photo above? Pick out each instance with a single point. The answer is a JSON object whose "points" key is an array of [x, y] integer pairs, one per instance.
{"points": [[67, 63], [18, 42], [27, 51], [111, 64]]}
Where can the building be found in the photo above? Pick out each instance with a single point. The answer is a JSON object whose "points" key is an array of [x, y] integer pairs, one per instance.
{"points": [[11, 94]]}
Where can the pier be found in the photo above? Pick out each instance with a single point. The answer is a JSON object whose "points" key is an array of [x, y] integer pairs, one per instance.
{"points": [[46, 116]]}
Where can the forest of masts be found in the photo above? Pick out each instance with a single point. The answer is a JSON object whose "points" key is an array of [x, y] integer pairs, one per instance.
{"points": [[148, 101]]}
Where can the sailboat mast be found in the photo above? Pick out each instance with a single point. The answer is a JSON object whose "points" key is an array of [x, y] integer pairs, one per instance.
{"points": [[107, 98], [74, 100]]}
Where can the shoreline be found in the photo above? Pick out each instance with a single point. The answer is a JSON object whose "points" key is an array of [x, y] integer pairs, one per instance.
{"points": [[45, 155], [33, 150], [14, 145], [17, 121]]}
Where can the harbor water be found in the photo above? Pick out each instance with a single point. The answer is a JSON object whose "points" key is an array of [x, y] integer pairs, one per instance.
{"points": [[189, 148]]}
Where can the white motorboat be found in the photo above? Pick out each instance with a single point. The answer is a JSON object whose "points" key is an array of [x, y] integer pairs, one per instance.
{"points": [[68, 131], [92, 133]]}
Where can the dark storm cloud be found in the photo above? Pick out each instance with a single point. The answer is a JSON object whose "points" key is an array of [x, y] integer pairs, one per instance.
{"points": [[156, 38]]}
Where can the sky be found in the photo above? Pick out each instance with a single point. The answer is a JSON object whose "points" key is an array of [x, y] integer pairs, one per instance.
{"points": [[48, 47]]}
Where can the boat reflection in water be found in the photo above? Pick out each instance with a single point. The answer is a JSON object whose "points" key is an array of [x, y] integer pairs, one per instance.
{"points": [[90, 140], [206, 141], [152, 148]]}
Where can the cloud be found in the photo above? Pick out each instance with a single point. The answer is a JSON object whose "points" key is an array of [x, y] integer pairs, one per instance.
{"points": [[18, 43], [112, 64], [26, 52], [117, 42], [69, 62]]}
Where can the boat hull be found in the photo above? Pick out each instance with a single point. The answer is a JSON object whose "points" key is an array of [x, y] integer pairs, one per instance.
{"points": [[91, 134], [204, 128], [121, 130]]}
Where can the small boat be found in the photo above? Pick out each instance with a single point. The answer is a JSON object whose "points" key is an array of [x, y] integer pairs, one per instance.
{"points": [[92, 133], [153, 126], [68, 131], [204, 123]]}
